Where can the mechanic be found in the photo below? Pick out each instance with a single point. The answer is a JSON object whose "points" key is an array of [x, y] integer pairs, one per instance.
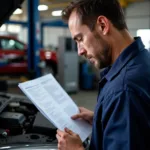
{"points": [[121, 120]]}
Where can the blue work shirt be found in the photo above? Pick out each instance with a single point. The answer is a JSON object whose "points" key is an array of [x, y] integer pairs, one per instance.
{"points": [[122, 114]]}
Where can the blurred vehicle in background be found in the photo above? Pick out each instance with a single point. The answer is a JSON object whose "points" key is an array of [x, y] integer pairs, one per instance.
{"points": [[13, 58]]}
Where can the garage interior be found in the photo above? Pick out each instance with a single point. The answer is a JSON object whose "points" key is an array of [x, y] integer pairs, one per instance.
{"points": [[42, 42]]}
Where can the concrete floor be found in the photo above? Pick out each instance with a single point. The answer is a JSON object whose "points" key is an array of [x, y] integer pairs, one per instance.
{"points": [[85, 99]]}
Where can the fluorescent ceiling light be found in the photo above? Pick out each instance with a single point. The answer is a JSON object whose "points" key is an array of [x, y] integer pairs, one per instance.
{"points": [[42, 7], [57, 13], [18, 11]]}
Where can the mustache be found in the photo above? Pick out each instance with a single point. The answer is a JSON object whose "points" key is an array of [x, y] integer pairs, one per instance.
{"points": [[88, 56]]}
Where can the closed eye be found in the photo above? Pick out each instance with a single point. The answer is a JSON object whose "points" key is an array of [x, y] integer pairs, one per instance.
{"points": [[78, 37]]}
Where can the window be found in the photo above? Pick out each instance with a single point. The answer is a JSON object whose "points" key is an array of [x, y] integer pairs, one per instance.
{"points": [[71, 45], [145, 35], [10, 44]]}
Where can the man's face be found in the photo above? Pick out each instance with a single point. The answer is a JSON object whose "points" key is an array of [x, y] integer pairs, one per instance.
{"points": [[90, 43]]}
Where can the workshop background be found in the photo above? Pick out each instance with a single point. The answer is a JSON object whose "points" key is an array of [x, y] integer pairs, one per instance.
{"points": [[35, 41]]}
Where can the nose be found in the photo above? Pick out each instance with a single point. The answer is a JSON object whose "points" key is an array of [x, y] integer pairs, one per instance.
{"points": [[81, 51]]}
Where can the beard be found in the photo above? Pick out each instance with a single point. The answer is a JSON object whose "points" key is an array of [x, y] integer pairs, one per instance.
{"points": [[103, 58]]}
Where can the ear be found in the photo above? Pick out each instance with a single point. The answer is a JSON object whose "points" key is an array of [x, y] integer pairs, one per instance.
{"points": [[103, 25]]}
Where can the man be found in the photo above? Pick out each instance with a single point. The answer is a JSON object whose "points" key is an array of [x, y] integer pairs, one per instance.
{"points": [[121, 120]]}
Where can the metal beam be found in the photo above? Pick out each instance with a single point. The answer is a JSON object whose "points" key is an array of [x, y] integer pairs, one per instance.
{"points": [[22, 23], [55, 23], [33, 37]]}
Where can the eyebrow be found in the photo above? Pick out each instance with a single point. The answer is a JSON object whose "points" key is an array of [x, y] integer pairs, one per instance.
{"points": [[76, 36]]}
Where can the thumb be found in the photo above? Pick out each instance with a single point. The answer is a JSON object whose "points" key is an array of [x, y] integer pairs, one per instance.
{"points": [[77, 116]]}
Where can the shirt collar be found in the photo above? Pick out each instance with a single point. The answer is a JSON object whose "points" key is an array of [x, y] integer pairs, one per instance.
{"points": [[130, 52], [104, 71]]}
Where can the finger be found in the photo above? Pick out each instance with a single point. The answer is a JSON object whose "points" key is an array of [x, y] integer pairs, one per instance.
{"points": [[58, 137], [60, 133], [81, 109], [59, 147], [69, 131]]}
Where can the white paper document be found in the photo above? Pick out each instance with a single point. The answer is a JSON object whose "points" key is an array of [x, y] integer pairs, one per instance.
{"points": [[55, 104]]}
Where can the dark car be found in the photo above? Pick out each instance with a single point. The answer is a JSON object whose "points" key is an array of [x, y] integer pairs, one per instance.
{"points": [[24, 127]]}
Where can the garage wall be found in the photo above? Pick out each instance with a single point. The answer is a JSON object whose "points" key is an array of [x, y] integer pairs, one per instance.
{"points": [[138, 16], [23, 35], [52, 34]]}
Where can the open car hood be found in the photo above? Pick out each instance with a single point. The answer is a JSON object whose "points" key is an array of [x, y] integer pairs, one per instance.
{"points": [[7, 7]]}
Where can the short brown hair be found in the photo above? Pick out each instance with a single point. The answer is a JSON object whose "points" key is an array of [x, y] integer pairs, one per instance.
{"points": [[89, 10]]}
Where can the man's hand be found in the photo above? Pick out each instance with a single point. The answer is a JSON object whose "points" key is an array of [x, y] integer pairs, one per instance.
{"points": [[68, 140], [84, 114]]}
